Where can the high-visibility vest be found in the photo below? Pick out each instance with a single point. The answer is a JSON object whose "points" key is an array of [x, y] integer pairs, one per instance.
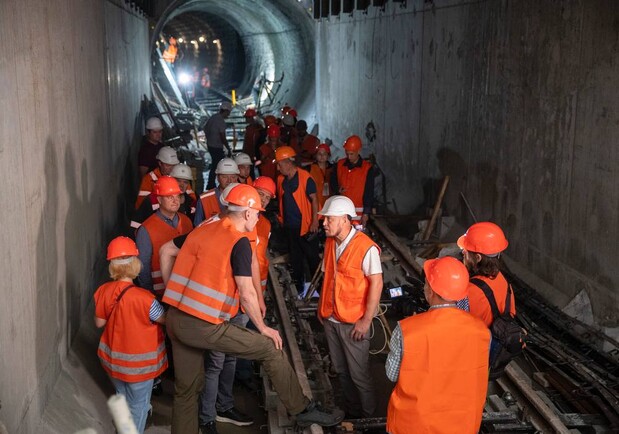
{"points": [[169, 55], [147, 185], [202, 283], [322, 183], [210, 204], [300, 198], [267, 165], [263, 228], [352, 182], [249, 180], [131, 348], [160, 233], [443, 376], [478, 303], [345, 288]]}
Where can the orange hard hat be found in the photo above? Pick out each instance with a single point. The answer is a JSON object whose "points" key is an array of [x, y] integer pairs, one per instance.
{"points": [[270, 120], [353, 143], [283, 153], [485, 238], [273, 131], [293, 113], [167, 186], [448, 277], [265, 183], [324, 147], [121, 246], [250, 113], [246, 196]]}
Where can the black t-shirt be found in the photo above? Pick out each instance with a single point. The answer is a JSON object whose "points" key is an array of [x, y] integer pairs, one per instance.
{"points": [[240, 258]]}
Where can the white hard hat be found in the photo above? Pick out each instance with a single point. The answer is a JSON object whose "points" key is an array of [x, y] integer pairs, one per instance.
{"points": [[227, 166], [224, 194], [242, 159], [225, 106], [288, 120], [181, 171], [154, 123], [337, 206], [167, 155]]}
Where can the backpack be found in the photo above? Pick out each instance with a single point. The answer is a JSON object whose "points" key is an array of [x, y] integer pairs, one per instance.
{"points": [[507, 335]]}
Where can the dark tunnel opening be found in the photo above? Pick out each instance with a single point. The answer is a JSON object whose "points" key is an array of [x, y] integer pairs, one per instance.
{"points": [[239, 42]]}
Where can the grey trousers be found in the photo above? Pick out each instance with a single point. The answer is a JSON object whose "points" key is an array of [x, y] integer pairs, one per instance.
{"points": [[191, 336], [219, 369], [350, 360]]}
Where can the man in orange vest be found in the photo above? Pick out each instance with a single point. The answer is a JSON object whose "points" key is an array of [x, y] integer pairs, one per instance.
{"points": [[266, 189], [132, 349], [306, 143], [158, 229], [353, 177], [210, 204], [245, 165], [266, 151], [353, 282], [211, 276], [298, 214], [439, 360], [166, 160]]}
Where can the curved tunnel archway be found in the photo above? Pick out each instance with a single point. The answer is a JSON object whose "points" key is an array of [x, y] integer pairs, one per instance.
{"points": [[253, 37]]}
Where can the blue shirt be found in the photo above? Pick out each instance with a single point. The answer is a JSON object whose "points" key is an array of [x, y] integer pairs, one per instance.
{"points": [[292, 213]]}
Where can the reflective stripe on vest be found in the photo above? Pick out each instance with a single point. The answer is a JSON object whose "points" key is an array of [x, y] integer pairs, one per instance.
{"points": [[128, 357], [210, 204], [126, 370], [352, 182], [146, 186]]}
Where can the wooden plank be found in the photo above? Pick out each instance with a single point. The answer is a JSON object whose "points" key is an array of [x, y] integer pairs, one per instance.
{"points": [[399, 248]]}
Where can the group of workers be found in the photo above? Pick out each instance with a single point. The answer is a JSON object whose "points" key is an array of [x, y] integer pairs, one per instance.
{"points": [[200, 267]]}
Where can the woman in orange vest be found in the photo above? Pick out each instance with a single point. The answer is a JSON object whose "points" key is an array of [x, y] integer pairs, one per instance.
{"points": [[131, 349], [321, 172], [442, 382]]}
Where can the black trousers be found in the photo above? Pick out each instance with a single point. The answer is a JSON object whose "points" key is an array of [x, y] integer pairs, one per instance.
{"points": [[217, 154], [301, 250]]}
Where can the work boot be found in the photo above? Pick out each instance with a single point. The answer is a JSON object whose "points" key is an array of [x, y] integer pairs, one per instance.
{"points": [[208, 428], [234, 417], [314, 413]]}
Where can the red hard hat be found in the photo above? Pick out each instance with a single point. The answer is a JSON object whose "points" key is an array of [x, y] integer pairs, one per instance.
{"points": [[353, 143], [121, 246], [283, 153], [273, 131], [324, 147], [250, 113], [270, 120], [293, 113], [246, 196], [167, 186], [265, 183], [286, 109], [448, 277], [484, 237]]}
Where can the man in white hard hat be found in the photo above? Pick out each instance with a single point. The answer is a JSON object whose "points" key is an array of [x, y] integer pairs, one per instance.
{"points": [[209, 204], [348, 303], [151, 144], [166, 160], [243, 161], [215, 132]]}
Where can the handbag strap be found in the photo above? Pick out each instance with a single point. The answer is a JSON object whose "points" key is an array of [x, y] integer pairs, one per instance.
{"points": [[120, 296]]}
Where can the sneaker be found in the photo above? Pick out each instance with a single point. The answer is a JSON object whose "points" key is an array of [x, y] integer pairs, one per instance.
{"points": [[234, 417], [208, 428], [314, 413]]}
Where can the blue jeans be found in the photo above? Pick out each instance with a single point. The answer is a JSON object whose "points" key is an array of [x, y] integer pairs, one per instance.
{"points": [[138, 399], [219, 371]]}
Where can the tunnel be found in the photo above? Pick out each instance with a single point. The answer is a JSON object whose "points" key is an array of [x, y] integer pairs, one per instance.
{"points": [[512, 106]]}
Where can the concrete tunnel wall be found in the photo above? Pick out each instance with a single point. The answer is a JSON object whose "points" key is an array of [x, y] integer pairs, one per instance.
{"points": [[515, 100], [73, 74]]}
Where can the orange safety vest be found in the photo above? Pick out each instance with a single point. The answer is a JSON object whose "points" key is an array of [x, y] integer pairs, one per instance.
{"points": [[169, 55], [202, 283], [345, 287], [249, 180], [300, 197], [160, 233], [132, 348], [478, 303], [322, 183], [352, 182], [210, 204], [263, 228], [443, 376], [267, 165], [147, 185]]}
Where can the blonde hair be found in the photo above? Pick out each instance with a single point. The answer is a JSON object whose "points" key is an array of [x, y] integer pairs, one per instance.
{"points": [[129, 270]]}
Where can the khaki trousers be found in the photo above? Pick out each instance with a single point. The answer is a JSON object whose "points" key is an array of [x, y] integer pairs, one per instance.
{"points": [[190, 336]]}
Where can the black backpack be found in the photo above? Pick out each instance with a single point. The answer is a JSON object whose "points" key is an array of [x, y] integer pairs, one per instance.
{"points": [[507, 335]]}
